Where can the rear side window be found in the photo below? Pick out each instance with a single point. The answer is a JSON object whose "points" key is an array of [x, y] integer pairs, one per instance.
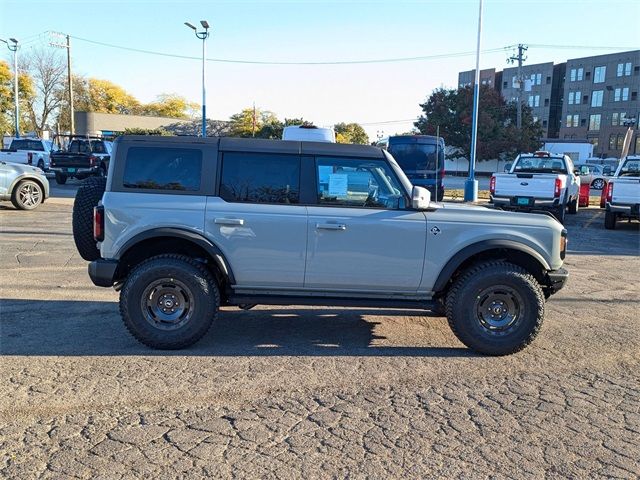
{"points": [[260, 178], [163, 169]]}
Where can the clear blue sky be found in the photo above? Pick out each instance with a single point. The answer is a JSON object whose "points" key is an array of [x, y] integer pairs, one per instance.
{"points": [[314, 31]]}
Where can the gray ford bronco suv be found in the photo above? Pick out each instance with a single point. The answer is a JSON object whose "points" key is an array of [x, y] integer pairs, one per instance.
{"points": [[185, 225]]}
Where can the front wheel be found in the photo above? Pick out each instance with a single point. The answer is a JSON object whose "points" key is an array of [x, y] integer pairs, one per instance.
{"points": [[27, 195], [169, 302], [495, 308]]}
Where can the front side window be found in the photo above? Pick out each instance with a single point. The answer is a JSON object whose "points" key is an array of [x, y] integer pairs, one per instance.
{"points": [[596, 98], [599, 73], [177, 169], [594, 122], [363, 183], [260, 178]]}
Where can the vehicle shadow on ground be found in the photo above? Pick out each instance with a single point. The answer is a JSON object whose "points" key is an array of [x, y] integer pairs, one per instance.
{"points": [[77, 328]]}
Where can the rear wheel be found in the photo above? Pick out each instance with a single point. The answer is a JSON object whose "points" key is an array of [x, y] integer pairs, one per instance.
{"points": [[598, 184], [41, 164], [609, 220], [87, 197], [495, 308], [61, 178], [561, 212], [573, 206], [169, 302], [27, 195]]}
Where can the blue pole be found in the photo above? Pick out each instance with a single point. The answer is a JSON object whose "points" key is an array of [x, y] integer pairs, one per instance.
{"points": [[471, 185]]}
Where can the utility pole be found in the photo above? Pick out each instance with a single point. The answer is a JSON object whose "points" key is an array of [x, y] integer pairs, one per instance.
{"points": [[519, 58], [67, 45], [13, 46]]}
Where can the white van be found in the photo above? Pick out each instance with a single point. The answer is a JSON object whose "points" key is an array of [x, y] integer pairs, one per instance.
{"points": [[309, 133]]}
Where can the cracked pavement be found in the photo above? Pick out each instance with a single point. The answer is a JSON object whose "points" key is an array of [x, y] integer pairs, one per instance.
{"points": [[302, 392]]}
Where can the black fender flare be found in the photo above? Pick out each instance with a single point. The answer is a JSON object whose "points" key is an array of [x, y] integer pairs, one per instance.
{"points": [[470, 250], [194, 237]]}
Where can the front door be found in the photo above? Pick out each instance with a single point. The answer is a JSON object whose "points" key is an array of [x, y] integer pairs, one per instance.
{"points": [[257, 221], [361, 236]]}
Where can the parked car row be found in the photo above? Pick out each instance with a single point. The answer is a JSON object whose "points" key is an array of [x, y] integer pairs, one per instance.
{"points": [[24, 185], [28, 151]]}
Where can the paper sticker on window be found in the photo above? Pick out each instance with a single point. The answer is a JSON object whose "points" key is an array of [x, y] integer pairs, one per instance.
{"points": [[338, 185], [324, 172]]}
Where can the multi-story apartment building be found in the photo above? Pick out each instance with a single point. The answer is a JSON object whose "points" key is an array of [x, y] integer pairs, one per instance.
{"points": [[488, 76], [600, 96], [587, 98]]}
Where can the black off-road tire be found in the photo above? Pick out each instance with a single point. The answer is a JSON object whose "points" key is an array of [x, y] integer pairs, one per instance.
{"points": [[27, 195], [463, 317], [609, 220], [102, 171], [193, 276], [573, 206], [61, 178], [87, 197], [560, 213]]}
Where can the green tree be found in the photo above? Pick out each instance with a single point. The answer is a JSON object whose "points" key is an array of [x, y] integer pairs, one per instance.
{"points": [[351, 133], [147, 131], [170, 105], [497, 135], [255, 123]]}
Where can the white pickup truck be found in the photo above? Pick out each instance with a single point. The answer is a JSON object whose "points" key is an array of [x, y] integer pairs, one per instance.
{"points": [[28, 151], [537, 181], [623, 193]]}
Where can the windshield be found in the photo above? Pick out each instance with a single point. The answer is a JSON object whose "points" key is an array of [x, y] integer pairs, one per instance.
{"points": [[413, 157], [630, 168], [540, 165]]}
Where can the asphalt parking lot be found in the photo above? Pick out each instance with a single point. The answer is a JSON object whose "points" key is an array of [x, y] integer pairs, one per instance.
{"points": [[302, 392]]}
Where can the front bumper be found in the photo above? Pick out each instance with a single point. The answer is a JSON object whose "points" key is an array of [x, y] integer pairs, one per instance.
{"points": [[102, 272], [556, 280]]}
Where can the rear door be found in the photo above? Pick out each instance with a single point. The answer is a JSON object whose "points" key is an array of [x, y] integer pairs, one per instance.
{"points": [[361, 236], [257, 219]]}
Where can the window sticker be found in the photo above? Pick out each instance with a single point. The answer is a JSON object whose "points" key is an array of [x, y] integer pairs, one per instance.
{"points": [[338, 185]]}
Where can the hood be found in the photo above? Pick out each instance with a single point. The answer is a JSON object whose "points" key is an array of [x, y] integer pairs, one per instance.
{"points": [[472, 213], [20, 168]]}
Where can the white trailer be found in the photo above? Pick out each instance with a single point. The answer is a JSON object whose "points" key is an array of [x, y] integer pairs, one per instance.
{"points": [[578, 151]]}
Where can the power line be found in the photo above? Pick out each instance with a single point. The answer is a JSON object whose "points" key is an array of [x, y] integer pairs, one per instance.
{"points": [[268, 62]]}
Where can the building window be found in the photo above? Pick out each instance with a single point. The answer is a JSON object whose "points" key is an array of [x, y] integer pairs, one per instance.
{"points": [[599, 73], [620, 70], [614, 119], [616, 94], [627, 69], [624, 69], [572, 120], [544, 123], [594, 121], [594, 141], [514, 82], [612, 141], [625, 94], [534, 101], [596, 98], [637, 151], [576, 74], [634, 95], [505, 84], [574, 98], [546, 102], [548, 80], [583, 122]]}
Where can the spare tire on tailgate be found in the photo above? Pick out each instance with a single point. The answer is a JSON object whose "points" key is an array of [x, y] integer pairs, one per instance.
{"points": [[87, 197]]}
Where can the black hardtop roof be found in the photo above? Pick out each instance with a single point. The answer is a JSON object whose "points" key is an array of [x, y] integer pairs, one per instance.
{"points": [[261, 145]]}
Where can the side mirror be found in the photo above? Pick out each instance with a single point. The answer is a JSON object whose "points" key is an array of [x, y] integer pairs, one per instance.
{"points": [[420, 198]]}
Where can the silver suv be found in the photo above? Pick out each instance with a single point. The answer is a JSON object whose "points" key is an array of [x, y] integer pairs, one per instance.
{"points": [[186, 225]]}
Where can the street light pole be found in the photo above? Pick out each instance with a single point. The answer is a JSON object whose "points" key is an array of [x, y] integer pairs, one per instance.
{"points": [[471, 184], [203, 35], [13, 46]]}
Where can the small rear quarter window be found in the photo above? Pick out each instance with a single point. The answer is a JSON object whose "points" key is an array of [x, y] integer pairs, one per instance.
{"points": [[163, 169]]}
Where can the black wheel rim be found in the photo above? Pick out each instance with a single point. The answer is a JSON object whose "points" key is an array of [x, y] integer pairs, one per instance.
{"points": [[598, 184], [167, 304], [498, 309]]}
